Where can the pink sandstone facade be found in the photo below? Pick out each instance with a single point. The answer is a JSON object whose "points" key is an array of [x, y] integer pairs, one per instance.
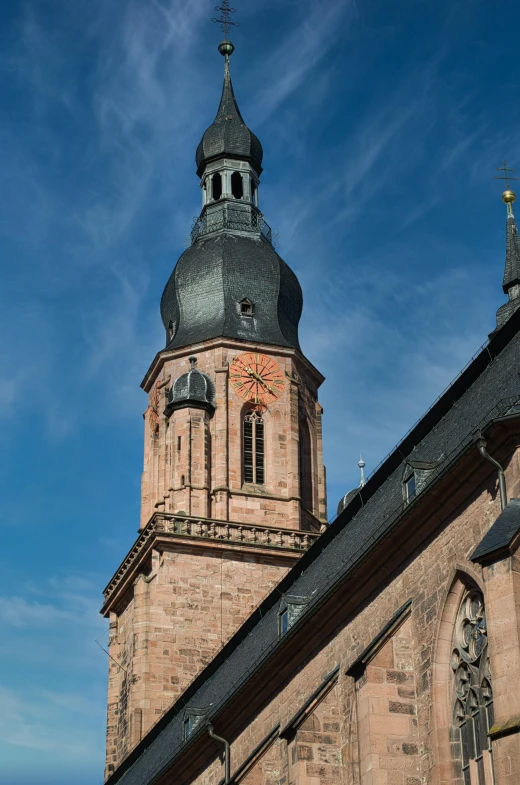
{"points": [[190, 580], [250, 643], [387, 720], [193, 461]]}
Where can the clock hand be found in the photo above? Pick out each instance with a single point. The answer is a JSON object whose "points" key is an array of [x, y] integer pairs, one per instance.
{"points": [[259, 378]]}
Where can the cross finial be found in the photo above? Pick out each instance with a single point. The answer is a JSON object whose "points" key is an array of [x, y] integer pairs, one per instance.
{"points": [[506, 177], [224, 21], [509, 196]]}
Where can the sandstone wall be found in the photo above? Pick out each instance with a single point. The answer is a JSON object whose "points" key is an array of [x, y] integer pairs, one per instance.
{"points": [[393, 723]]}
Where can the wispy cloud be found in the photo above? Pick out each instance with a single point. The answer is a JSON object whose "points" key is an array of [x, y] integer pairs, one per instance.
{"points": [[285, 68], [359, 110], [41, 721], [48, 648]]}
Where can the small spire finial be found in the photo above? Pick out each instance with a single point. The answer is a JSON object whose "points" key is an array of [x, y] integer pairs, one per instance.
{"points": [[225, 48], [509, 196], [193, 362], [361, 464]]}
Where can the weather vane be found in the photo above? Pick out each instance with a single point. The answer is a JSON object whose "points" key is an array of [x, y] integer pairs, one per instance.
{"points": [[224, 21], [506, 177]]}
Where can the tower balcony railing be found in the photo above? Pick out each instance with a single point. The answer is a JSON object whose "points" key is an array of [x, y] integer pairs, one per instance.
{"points": [[174, 526], [241, 218]]}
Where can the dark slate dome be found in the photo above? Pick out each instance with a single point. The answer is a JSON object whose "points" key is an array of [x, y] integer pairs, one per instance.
{"points": [[193, 388], [228, 135], [214, 276], [345, 500]]}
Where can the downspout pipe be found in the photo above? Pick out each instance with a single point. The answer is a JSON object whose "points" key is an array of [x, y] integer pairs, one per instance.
{"points": [[481, 444], [227, 755]]}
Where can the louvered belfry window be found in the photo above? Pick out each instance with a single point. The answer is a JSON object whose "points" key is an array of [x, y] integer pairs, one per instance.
{"points": [[254, 470], [473, 696]]}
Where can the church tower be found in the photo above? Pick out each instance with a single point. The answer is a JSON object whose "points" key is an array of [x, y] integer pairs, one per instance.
{"points": [[233, 487]]}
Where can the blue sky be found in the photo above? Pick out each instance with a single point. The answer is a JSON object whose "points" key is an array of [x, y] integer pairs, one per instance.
{"points": [[381, 125]]}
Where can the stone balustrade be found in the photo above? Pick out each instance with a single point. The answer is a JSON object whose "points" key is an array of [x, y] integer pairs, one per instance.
{"points": [[171, 525]]}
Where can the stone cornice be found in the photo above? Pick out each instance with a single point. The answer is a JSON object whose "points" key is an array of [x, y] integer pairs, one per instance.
{"points": [[164, 355], [169, 528]]}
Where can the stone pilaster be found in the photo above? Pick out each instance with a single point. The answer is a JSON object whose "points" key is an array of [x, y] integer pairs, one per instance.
{"points": [[220, 490]]}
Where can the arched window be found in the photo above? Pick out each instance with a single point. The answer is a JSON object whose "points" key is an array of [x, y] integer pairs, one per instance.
{"points": [[305, 465], [254, 470], [254, 195], [237, 185], [216, 186], [472, 693]]}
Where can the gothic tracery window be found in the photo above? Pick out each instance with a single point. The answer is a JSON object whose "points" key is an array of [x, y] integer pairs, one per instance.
{"points": [[254, 469], [473, 697]]}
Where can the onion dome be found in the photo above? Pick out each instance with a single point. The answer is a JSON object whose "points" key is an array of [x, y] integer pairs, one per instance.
{"points": [[202, 299], [345, 500], [194, 389], [228, 135]]}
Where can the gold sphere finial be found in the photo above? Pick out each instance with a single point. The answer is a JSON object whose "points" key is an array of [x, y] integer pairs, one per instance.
{"points": [[509, 196], [226, 48]]}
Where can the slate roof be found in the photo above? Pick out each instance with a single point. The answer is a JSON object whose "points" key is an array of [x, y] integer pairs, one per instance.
{"points": [[485, 390], [192, 388], [511, 281], [501, 534], [228, 135], [512, 267], [201, 299], [345, 500]]}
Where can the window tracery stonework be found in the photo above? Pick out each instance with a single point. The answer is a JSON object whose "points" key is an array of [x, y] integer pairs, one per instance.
{"points": [[473, 696]]}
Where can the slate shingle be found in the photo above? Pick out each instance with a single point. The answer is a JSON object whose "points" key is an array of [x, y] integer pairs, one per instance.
{"points": [[486, 390], [501, 534]]}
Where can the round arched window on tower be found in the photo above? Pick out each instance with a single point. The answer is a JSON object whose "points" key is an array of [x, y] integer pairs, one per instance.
{"points": [[237, 185], [216, 186]]}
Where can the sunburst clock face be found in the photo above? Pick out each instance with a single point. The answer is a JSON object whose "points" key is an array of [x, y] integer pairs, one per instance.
{"points": [[257, 378]]}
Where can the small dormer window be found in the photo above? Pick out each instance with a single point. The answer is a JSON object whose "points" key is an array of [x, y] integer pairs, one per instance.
{"points": [[192, 719], [246, 308], [283, 622], [410, 487], [290, 610]]}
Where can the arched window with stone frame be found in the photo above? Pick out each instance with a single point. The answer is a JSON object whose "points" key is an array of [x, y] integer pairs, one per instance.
{"points": [[472, 700], [253, 447]]}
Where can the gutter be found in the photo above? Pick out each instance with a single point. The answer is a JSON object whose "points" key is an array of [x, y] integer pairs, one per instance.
{"points": [[481, 445], [227, 754]]}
